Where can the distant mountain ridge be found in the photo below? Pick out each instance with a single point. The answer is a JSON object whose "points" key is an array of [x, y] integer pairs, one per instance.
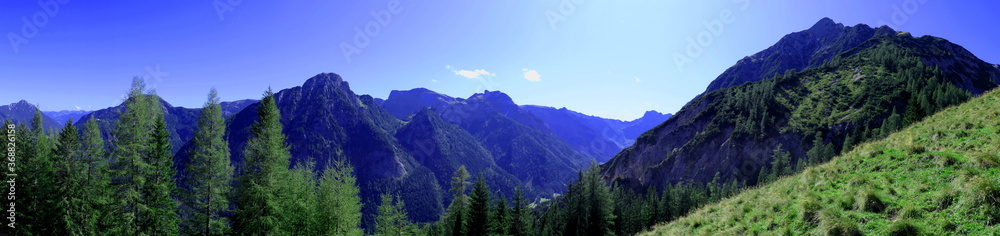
{"points": [[64, 115], [595, 137], [22, 112]]}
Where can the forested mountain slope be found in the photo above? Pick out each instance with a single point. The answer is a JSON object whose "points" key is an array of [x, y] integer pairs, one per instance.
{"points": [[883, 84]]}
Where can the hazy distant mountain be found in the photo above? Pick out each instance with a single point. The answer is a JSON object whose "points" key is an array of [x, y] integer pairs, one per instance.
{"points": [[233, 107], [64, 115], [22, 112], [594, 136]]}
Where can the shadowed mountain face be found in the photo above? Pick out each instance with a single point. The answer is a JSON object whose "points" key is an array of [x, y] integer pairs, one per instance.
{"points": [[22, 112], [882, 84], [403, 103], [797, 51], [180, 121], [594, 137], [324, 120]]}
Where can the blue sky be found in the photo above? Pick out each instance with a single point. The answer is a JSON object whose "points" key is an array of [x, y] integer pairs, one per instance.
{"points": [[608, 58]]}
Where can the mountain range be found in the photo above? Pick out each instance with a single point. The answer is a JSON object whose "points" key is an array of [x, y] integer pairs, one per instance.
{"points": [[22, 112], [814, 93]]}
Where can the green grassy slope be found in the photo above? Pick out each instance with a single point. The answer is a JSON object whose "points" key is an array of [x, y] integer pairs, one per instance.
{"points": [[936, 177]]}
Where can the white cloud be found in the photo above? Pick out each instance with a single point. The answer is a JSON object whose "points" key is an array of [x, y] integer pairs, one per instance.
{"points": [[434, 80], [78, 108], [475, 74], [531, 75], [471, 74], [637, 80]]}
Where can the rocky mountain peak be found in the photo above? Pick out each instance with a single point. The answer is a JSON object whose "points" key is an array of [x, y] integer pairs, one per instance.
{"points": [[825, 25], [21, 104], [494, 97], [325, 80]]}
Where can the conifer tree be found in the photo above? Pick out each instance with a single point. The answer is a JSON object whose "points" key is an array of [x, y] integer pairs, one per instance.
{"points": [[500, 219], [95, 161], [458, 209], [519, 215], [265, 160], [296, 201], [339, 205], [392, 218], [479, 207], [132, 139], [70, 172], [209, 173], [159, 216], [42, 214]]}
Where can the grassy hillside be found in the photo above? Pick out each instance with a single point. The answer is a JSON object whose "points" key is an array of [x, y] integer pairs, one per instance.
{"points": [[936, 177]]}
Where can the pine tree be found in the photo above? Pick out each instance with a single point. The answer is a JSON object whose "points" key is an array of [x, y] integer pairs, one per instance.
{"points": [[71, 173], [520, 215], [392, 218], [42, 214], [479, 207], [781, 163], [339, 205], [500, 218], [457, 210], [209, 173], [159, 214], [142, 168], [599, 204], [265, 160], [95, 159]]}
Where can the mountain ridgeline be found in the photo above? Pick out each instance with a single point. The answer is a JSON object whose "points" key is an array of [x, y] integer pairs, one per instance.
{"points": [[23, 111], [595, 137], [416, 140], [816, 104]]}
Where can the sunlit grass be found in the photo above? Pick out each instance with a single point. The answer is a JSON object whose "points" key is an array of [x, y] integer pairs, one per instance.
{"points": [[936, 177]]}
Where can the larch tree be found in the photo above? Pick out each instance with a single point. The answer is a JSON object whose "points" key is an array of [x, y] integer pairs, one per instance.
{"points": [[392, 218], [339, 206], [458, 209], [208, 174]]}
